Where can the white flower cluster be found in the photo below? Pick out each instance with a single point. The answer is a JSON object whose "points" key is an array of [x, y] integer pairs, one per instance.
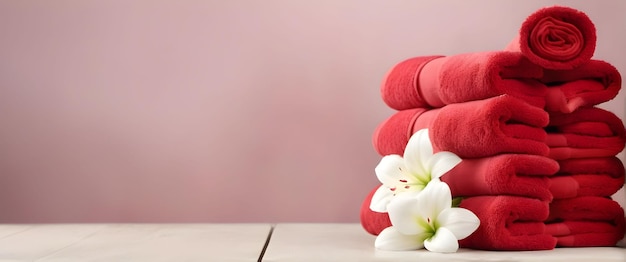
{"points": [[419, 204]]}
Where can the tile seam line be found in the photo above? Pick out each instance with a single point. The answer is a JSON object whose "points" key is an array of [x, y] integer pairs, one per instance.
{"points": [[102, 227], [267, 243]]}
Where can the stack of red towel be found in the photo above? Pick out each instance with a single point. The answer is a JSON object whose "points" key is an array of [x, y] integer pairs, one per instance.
{"points": [[539, 159]]}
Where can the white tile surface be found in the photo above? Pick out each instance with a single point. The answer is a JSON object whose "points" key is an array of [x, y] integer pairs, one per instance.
{"points": [[30, 242], [349, 242], [7, 230], [133, 242], [237, 242]]}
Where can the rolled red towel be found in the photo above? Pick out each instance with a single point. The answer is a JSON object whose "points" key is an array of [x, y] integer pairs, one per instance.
{"points": [[587, 177], [588, 212], [585, 133], [504, 174], [590, 84], [435, 81], [556, 37], [502, 124], [508, 223]]}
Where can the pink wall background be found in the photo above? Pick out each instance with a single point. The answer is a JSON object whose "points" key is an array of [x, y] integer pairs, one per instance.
{"points": [[220, 111]]}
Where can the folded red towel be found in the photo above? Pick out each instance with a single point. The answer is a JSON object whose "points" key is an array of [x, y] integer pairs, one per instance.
{"points": [[581, 219], [508, 223], [435, 81], [590, 84], [392, 135], [585, 133], [587, 177], [585, 233], [401, 84], [506, 174], [563, 187], [586, 208], [373, 222], [502, 124], [556, 37]]}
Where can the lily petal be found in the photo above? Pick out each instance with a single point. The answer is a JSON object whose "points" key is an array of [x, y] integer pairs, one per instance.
{"points": [[391, 239], [441, 163], [460, 221], [443, 241], [403, 211], [389, 169], [418, 150], [433, 199], [380, 199]]}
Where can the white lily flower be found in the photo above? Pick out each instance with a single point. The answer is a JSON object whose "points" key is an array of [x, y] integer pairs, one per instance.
{"points": [[427, 220], [411, 173]]}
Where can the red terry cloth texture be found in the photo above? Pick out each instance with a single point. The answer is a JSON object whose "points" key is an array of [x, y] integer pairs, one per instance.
{"points": [[586, 221], [585, 133], [502, 124], [435, 81], [556, 37], [508, 223], [587, 177], [590, 84], [503, 174]]}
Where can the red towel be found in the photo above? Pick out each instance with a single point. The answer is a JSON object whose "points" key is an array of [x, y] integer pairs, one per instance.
{"points": [[373, 222], [588, 208], [435, 81], [587, 177], [588, 212], [508, 223], [585, 233], [505, 174], [585, 133], [590, 84], [556, 37], [501, 124], [400, 86]]}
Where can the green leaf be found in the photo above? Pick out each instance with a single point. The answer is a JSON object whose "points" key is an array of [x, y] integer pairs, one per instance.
{"points": [[456, 201]]}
